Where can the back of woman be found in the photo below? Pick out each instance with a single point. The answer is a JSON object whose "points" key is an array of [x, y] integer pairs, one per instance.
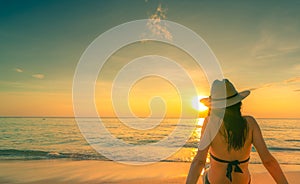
{"points": [[220, 148], [231, 144]]}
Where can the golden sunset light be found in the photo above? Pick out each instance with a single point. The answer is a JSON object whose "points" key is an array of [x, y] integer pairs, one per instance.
{"points": [[198, 105], [106, 91]]}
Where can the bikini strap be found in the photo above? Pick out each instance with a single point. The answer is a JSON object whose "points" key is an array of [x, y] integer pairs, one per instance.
{"points": [[230, 165]]}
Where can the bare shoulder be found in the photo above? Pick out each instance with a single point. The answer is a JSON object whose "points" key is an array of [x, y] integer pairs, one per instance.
{"points": [[251, 121], [249, 118]]}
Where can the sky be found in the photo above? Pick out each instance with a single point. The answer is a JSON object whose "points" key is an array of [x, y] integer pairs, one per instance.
{"points": [[256, 43]]}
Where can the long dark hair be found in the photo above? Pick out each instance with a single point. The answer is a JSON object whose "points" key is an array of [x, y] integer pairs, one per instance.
{"points": [[236, 128]]}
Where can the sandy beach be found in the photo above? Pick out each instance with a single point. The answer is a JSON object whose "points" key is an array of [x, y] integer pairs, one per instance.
{"points": [[65, 171]]}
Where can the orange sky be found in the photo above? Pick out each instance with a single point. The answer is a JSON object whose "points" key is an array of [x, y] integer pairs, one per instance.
{"points": [[256, 47]]}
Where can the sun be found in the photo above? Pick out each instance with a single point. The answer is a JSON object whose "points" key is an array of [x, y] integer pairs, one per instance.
{"points": [[196, 104]]}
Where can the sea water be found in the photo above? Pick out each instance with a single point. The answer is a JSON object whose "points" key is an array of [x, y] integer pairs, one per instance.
{"points": [[60, 138]]}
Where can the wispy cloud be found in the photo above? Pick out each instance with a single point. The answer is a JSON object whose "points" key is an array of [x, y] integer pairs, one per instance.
{"points": [[274, 43], [269, 48], [18, 70], [38, 76], [297, 90], [156, 26], [269, 52], [253, 89], [292, 80], [289, 81], [262, 86], [269, 84]]}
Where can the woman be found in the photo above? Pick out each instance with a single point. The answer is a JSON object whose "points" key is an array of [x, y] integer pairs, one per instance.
{"points": [[230, 147]]}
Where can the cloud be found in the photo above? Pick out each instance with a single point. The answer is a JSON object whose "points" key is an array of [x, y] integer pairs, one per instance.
{"points": [[252, 89], [38, 76], [297, 90], [276, 42], [269, 84], [262, 86], [156, 26], [269, 53], [284, 82], [19, 70], [292, 80]]}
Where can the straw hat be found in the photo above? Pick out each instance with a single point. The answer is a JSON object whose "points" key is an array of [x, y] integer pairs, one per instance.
{"points": [[223, 94]]}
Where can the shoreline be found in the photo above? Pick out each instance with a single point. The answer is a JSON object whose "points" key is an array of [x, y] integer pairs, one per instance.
{"points": [[111, 117], [95, 171]]}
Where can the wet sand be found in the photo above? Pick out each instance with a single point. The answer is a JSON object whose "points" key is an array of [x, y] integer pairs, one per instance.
{"points": [[90, 171]]}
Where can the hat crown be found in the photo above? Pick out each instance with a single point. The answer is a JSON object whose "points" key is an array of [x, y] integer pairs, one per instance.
{"points": [[224, 94], [222, 89]]}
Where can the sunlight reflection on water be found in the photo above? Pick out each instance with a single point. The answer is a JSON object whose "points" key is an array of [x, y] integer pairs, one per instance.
{"points": [[50, 138]]}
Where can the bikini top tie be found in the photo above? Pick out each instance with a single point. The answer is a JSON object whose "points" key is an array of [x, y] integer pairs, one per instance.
{"points": [[230, 165]]}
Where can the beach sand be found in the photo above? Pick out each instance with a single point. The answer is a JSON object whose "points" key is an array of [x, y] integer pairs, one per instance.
{"points": [[90, 171]]}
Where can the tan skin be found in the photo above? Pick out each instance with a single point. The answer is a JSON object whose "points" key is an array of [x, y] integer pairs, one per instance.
{"points": [[218, 147]]}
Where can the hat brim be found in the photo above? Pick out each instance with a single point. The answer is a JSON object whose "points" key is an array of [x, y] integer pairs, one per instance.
{"points": [[225, 103]]}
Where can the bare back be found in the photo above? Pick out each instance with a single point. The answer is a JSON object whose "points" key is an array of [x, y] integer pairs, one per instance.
{"points": [[218, 148]]}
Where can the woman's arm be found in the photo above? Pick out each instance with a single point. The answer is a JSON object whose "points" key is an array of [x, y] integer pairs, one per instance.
{"points": [[268, 160], [197, 165], [198, 162]]}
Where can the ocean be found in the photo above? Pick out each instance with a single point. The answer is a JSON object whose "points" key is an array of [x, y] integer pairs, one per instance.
{"points": [[60, 138]]}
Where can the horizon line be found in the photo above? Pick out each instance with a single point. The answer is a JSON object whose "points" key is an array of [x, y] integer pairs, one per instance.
{"points": [[132, 117]]}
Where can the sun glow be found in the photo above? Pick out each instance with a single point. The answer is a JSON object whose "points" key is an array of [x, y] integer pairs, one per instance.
{"points": [[198, 105], [200, 122]]}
